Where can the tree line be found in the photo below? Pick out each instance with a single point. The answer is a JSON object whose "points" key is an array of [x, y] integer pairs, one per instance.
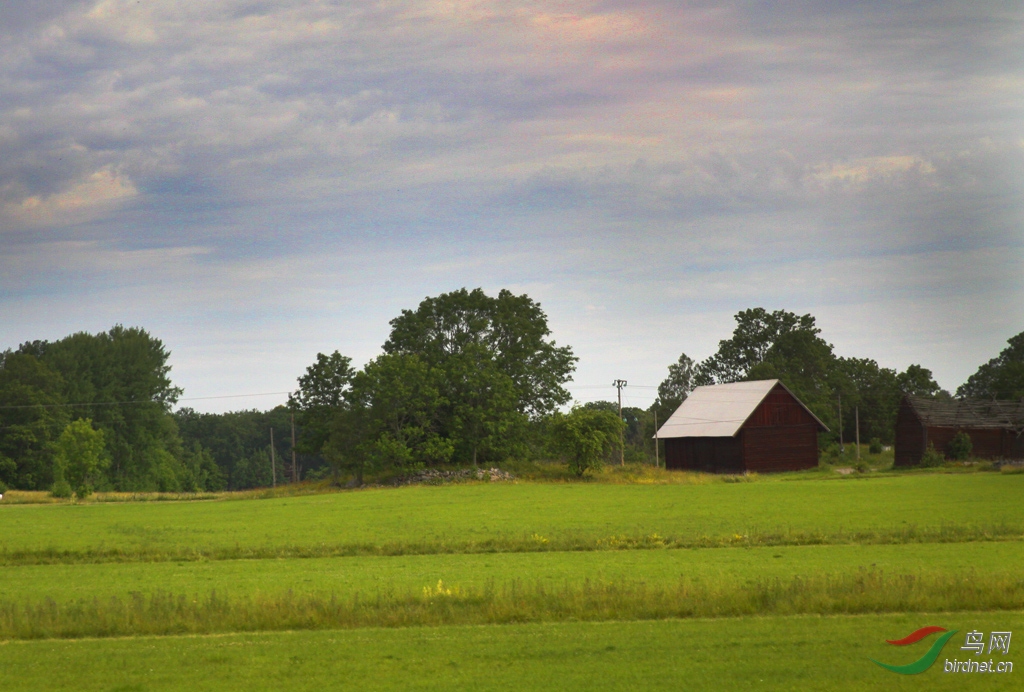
{"points": [[789, 347], [463, 379]]}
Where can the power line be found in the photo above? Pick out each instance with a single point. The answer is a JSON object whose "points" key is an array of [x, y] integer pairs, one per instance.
{"points": [[147, 401]]}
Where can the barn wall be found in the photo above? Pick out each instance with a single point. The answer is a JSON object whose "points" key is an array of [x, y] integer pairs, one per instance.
{"points": [[714, 454], [779, 435], [911, 437], [780, 448], [986, 443]]}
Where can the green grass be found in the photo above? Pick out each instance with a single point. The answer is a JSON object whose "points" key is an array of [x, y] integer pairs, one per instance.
{"points": [[439, 605], [601, 584], [427, 519], [774, 653], [368, 574]]}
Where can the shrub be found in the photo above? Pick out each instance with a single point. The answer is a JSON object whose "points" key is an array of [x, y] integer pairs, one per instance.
{"points": [[61, 488], [584, 436], [931, 457], [83, 491], [3, 487], [875, 446], [960, 446]]}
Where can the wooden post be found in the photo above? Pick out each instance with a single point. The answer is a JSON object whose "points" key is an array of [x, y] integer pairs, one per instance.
{"points": [[294, 476], [841, 447], [856, 418], [619, 384], [273, 464], [657, 461]]}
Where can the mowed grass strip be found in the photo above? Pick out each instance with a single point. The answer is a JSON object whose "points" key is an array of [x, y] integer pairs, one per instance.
{"points": [[770, 653], [524, 544], [524, 516], [867, 591], [344, 576]]}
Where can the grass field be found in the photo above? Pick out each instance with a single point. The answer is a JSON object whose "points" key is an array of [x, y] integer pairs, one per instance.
{"points": [[610, 581], [410, 573], [453, 518], [784, 653]]}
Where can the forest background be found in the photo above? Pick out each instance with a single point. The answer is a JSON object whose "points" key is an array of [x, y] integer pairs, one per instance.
{"points": [[463, 379]]}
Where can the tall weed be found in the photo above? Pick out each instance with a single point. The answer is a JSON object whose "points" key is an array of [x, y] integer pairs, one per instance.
{"points": [[867, 591]]}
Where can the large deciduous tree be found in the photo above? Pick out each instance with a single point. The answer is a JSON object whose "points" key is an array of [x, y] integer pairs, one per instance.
{"points": [[757, 331], [1000, 378], [512, 329], [32, 416], [122, 379], [321, 394], [674, 389], [390, 418], [918, 381]]}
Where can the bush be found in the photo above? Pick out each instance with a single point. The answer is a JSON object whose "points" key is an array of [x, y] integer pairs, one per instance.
{"points": [[931, 457], [61, 488], [3, 487], [584, 436], [83, 492], [960, 446], [875, 446]]}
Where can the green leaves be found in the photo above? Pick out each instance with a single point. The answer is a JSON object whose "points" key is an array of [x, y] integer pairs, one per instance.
{"points": [[80, 454], [321, 394], [512, 329], [1000, 378], [584, 436]]}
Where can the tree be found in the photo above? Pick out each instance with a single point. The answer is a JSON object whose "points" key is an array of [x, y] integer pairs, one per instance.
{"points": [[80, 455], [513, 329], [32, 416], [917, 381], [585, 436], [122, 378], [674, 389], [757, 331], [389, 419], [1000, 378], [870, 395], [805, 363], [483, 402], [233, 438], [320, 396]]}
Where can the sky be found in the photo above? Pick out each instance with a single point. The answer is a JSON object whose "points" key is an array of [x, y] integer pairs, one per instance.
{"points": [[257, 181]]}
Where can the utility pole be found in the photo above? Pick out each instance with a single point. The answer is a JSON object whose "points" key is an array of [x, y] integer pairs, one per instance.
{"points": [[856, 418], [273, 463], [842, 449], [619, 384], [294, 478], [657, 461]]}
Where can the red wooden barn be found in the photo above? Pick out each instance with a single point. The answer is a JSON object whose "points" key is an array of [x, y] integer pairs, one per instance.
{"points": [[744, 426], [996, 428]]}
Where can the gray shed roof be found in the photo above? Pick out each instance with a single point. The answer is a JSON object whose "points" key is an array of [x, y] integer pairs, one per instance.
{"points": [[969, 413], [719, 410]]}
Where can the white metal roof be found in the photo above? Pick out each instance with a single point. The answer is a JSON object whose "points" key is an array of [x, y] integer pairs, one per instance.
{"points": [[716, 410]]}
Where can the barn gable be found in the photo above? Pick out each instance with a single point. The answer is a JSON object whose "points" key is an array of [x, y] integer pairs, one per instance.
{"points": [[721, 410]]}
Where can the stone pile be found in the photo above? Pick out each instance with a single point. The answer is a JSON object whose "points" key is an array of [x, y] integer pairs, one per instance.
{"points": [[439, 476]]}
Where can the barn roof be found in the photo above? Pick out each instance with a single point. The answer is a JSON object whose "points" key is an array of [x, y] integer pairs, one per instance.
{"points": [[720, 410], [969, 413]]}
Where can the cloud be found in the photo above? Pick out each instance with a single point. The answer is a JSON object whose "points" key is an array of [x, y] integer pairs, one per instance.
{"points": [[93, 195], [681, 160]]}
